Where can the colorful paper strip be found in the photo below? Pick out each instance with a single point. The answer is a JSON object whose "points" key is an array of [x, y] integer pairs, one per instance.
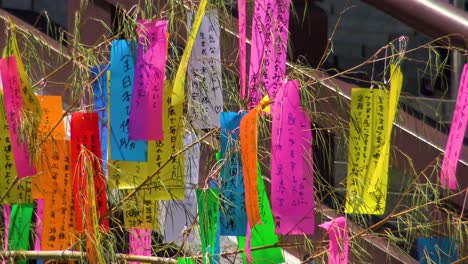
{"points": [[339, 245]]}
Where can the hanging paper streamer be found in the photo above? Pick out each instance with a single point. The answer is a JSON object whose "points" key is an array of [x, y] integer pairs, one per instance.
{"points": [[14, 108], [208, 213], [292, 181], [145, 122], [338, 232], [140, 242], [242, 20], [181, 214], [456, 135], [122, 68], [440, 250], [233, 216], [6, 223], [178, 95], [18, 231], [39, 221], [367, 137], [262, 234], [54, 185], [186, 261], [30, 102], [204, 73], [85, 153], [51, 121], [21, 191], [140, 212], [100, 91], [248, 141], [381, 161], [269, 48]]}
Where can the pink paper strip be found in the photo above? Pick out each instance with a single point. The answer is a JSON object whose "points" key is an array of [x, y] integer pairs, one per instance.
{"points": [[6, 221], [292, 181], [13, 108], [140, 242], [338, 232], [145, 120], [269, 49], [242, 45], [248, 251], [457, 134], [39, 217]]}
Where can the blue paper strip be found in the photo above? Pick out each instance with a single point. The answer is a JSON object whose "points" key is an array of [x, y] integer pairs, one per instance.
{"points": [[122, 69], [438, 250], [100, 106], [233, 214]]}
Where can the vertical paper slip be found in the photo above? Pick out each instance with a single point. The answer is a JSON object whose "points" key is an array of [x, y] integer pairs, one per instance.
{"points": [[208, 214], [269, 49], [14, 107], [456, 135], [292, 181], [54, 185], [338, 232], [145, 121], [204, 74], [440, 250], [248, 142], [178, 94], [233, 216], [86, 152], [30, 102], [242, 20], [262, 234], [6, 223], [367, 137], [181, 214], [382, 162], [39, 222], [18, 231], [186, 261], [140, 242], [21, 192], [100, 91], [51, 107], [122, 67], [140, 211]]}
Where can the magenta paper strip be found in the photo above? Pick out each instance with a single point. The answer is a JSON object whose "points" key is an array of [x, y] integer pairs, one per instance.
{"points": [[338, 232], [13, 106], [456, 135], [6, 220], [39, 217], [242, 45], [248, 251], [292, 191], [269, 49], [145, 121], [140, 242]]}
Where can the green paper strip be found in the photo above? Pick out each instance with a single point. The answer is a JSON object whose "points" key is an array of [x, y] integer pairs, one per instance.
{"points": [[20, 223], [263, 234], [178, 94], [186, 261], [208, 213]]}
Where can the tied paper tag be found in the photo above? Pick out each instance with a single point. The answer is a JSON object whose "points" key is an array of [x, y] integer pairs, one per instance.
{"points": [[204, 74], [367, 137], [269, 49], [291, 164], [337, 230]]}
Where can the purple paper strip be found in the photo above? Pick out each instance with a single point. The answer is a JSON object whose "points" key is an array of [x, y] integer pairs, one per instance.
{"points": [[39, 217], [140, 242], [456, 135], [242, 46], [338, 232], [145, 121], [269, 49], [6, 220], [292, 182], [14, 106]]}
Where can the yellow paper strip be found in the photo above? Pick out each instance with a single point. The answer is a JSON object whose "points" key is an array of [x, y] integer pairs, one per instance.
{"points": [[178, 95], [396, 82], [367, 134], [141, 212]]}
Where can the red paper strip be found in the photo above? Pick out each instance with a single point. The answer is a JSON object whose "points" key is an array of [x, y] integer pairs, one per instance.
{"points": [[85, 142], [13, 107], [145, 121]]}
